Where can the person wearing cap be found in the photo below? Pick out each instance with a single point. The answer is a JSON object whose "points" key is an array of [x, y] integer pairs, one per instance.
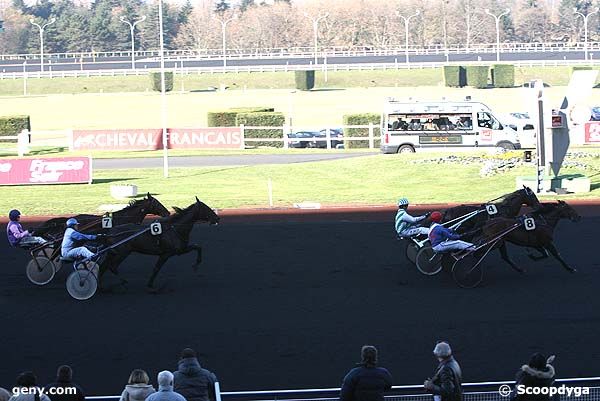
{"points": [[17, 236], [165, 389], [539, 372], [193, 381], [446, 383], [367, 381], [406, 225], [444, 239], [70, 247]]}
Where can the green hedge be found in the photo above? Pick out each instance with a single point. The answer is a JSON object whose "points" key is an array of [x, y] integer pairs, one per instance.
{"points": [[477, 76], [155, 80], [581, 67], [455, 76], [305, 80], [503, 75], [13, 125], [362, 119], [264, 119], [226, 118]]}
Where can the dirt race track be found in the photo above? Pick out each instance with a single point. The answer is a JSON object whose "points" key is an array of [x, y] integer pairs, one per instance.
{"points": [[288, 305]]}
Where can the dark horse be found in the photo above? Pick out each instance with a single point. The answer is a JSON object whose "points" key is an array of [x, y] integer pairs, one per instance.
{"points": [[541, 238], [509, 206], [89, 223], [174, 239]]}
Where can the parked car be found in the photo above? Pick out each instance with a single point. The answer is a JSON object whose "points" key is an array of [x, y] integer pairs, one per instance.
{"points": [[595, 114], [301, 139], [336, 135]]}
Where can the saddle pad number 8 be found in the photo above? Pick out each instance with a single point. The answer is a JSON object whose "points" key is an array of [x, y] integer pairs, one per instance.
{"points": [[107, 222], [155, 228], [491, 209], [529, 224]]}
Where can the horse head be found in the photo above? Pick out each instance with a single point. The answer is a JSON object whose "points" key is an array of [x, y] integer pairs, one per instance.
{"points": [[566, 211], [155, 207], [206, 213], [529, 198]]}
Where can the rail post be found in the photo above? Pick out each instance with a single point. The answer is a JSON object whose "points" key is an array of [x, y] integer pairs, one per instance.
{"points": [[243, 135], [284, 135], [217, 392], [23, 142], [371, 136], [328, 138]]}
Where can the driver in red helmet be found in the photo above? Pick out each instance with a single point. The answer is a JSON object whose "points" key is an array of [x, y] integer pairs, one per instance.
{"points": [[17, 236], [444, 239]]}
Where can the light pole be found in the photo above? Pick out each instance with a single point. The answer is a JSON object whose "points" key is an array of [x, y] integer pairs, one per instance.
{"points": [[163, 95], [585, 28], [406, 22], [41, 28], [315, 21], [224, 23], [131, 28], [497, 18]]}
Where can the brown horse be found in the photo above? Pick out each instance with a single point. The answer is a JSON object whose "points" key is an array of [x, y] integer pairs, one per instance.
{"points": [[541, 238]]}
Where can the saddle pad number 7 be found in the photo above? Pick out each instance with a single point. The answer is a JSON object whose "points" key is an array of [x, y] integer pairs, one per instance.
{"points": [[491, 209], [529, 224], [107, 222], [155, 228]]}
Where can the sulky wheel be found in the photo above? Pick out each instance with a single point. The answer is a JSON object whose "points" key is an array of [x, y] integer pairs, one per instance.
{"points": [[411, 251], [428, 261], [40, 270], [467, 271], [82, 284]]}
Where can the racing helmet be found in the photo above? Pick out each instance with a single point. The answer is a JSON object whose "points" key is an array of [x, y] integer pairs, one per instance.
{"points": [[436, 217], [72, 222], [14, 214], [402, 202]]}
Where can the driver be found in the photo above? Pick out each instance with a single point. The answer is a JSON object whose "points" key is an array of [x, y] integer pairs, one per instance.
{"points": [[17, 236], [71, 239], [406, 225], [444, 239]]}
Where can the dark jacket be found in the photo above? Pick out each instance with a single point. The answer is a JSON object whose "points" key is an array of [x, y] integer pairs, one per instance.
{"points": [[366, 384], [531, 377], [447, 380], [193, 382], [78, 396]]}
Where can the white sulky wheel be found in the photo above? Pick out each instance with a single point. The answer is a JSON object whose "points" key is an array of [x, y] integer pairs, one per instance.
{"points": [[428, 261], [411, 251], [40, 270], [467, 271], [83, 283]]}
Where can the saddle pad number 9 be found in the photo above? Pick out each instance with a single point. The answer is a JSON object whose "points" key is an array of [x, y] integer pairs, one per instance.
{"points": [[529, 224], [155, 228], [107, 222], [491, 209]]}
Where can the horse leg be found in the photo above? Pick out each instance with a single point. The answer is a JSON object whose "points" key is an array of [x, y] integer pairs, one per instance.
{"points": [[159, 264], [507, 259], [111, 263], [543, 254], [550, 247]]}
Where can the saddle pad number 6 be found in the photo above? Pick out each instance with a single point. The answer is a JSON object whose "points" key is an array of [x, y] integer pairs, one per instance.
{"points": [[529, 224], [491, 209], [107, 222], [156, 228]]}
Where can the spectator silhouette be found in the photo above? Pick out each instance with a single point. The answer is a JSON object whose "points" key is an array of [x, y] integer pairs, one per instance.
{"points": [[447, 380], [26, 382], [4, 394], [367, 381], [138, 387], [165, 389], [191, 380], [64, 380], [539, 372]]}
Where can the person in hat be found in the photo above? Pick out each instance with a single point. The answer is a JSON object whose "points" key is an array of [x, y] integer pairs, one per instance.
{"points": [[406, 225], [72, 238], [539, 372], [444, 239], [191, 380], [446, 383], [367, 381], [17, 236]]}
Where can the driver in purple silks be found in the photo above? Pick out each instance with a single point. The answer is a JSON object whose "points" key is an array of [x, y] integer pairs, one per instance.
{"points": [[17, 236]]}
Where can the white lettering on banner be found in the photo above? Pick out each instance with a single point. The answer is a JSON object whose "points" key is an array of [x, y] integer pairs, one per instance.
{"points": [[205, 138], [5, 167], [594, 132], [46, 171], [116, 140]]}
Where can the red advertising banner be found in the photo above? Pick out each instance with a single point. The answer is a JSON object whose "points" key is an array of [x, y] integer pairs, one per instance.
{"points": [[592, 132], [151, 139], [56, 170]]}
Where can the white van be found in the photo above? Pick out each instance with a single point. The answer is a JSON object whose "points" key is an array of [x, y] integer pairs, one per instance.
{"points": [[408, 126]]}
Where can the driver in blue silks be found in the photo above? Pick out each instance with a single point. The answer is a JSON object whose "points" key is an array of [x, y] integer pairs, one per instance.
{"points": [[72, 238]]}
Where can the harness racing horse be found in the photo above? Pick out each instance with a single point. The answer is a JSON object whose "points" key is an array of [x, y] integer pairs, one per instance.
{"points": [[541, 238], [90, 224], [174, 239]]}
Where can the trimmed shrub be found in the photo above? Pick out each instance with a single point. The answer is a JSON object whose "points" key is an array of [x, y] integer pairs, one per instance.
{"points": [[265, 119], [477, 76], [13, 125], [362, 119], [581, 67], [455, 76], [225, 118], [305, 80], [503, 76], [155, 79]]}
